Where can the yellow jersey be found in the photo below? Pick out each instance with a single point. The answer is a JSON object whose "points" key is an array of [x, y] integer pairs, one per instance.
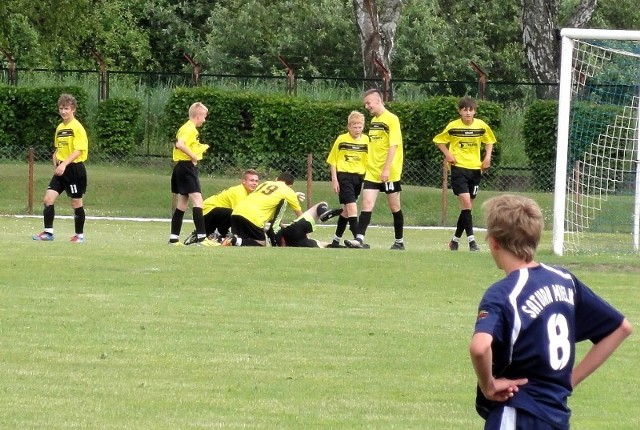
{"points": [[260, 206], [189, 134], [465, 141], [348, 154], [384, 132], [71, 137], [228, 198]]}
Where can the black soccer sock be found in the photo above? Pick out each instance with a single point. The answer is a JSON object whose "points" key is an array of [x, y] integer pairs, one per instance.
{"points": [[249, 242], [363, 222], [468, 222], [460, 224], [49, 213], [398, 224], [322, 208], [342, 226], [198, 220], [353, 225], [176, 222], [78, 219]]}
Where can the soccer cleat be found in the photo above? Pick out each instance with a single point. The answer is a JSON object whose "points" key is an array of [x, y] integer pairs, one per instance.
{"points": [[453, 245], [229, 240], [43, 237], [77, 238], [335, 244], [473, 246], [191, 239], [330, 214], [398, 246], [176, 243], [208, 242], [357, 244]]}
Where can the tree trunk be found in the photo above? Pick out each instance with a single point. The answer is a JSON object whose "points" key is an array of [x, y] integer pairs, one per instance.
{"points": [[376, 21], [540, 36]]}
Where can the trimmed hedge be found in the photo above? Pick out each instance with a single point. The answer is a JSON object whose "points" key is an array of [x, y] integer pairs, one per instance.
{"points": [[540, 134], [116, 126], [264, 128]]}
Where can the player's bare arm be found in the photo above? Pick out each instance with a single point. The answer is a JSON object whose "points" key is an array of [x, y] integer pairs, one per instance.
{"points": [[61, 167], [486, 162], [599, 353], [496, 389], [447, 155], [384, 175]]}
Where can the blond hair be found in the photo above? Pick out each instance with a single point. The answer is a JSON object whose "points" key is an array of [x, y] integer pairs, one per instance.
{"points": [[197, 109], [355, 117], [516, 223]]}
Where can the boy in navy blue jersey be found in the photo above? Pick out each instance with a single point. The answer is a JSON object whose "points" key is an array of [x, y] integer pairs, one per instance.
{"points": [[523, 346]]}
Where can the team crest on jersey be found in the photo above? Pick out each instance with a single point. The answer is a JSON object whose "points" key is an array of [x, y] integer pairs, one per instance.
{"points": [[482, 315]]}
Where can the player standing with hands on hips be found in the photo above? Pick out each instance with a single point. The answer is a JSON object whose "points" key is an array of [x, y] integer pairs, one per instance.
{"points": [[384, 169], [523, 346], [70, 174], [464, 138], [185, 182]]}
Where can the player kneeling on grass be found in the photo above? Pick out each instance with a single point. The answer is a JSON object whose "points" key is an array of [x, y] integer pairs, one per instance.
{"points": [[297, 233], [523, 347]]}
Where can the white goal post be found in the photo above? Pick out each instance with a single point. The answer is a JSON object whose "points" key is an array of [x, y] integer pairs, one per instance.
{"points": [[611, 157]]}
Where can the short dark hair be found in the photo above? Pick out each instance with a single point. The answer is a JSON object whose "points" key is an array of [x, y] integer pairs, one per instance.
{"points": [[468, 103], [286, 177]]}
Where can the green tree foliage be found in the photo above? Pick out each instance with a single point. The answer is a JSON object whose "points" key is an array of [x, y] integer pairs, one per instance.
{"points": [[435, 39]]}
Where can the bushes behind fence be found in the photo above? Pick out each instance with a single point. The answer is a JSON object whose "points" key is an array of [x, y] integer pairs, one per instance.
{"points": [[254, 127]]}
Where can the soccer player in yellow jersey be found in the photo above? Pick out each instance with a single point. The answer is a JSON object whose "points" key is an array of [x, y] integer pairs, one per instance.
{"points": [[384, 169], [185, 182], [263, 206], [69, 175], [347, 161], [461, 143], [217, 208]]}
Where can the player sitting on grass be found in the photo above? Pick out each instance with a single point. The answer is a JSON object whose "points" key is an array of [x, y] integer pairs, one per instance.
{"points": [[217, 209]]}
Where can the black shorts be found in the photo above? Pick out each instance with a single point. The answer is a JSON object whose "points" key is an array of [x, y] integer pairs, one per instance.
{"points": [[243, 228], [465, 181], [184, 179], [218, 218], [295, 234], [73, 181], [385, 187], [350, 187]]}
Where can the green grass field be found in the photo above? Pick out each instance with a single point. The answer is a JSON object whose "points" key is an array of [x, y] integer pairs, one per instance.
{"points": [[125, 332]]}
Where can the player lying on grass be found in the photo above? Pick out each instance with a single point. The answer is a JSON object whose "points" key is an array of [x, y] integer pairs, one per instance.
{"points": [[523, 347], [297, 233]]}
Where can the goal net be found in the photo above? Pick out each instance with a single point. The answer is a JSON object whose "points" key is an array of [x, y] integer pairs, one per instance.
{"points": [[597, 182]]}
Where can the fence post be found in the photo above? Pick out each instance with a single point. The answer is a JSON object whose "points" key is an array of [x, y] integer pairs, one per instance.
{"points": [[445, 182], [309, 180], [196, 69], [482, 80], [103, 80], [30, 184], [291, 77], [12, 74]]}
